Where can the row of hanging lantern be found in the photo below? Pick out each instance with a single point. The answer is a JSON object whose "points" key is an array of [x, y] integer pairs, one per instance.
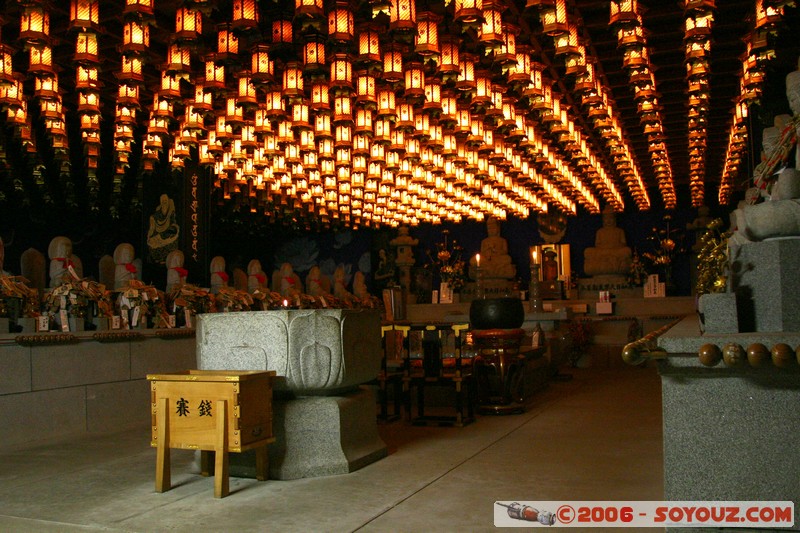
{"points": [[626, 20], [277, 140], [759, 52], [371, 135], [558, 23], [699, 17]]}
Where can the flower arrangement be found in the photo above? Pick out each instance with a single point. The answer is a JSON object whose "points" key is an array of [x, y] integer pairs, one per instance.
{"points": [[713, 262], [141, 302], [667, 243], [17, 287], [231, 299], [450, 264]]}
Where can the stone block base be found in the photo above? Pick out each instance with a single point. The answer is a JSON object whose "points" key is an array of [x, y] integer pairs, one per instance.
{"points": [[718, 313], [319, 436]]}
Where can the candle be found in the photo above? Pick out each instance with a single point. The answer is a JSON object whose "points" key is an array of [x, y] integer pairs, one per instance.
{"points": [[535, 255], [286, 303], [478, 260]]}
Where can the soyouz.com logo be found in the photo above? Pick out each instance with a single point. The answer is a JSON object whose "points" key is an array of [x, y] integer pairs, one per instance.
{"points": [[750, 514]]}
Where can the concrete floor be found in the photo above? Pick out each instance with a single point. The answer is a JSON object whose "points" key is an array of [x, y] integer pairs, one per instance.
{"points": [[596, 437]]}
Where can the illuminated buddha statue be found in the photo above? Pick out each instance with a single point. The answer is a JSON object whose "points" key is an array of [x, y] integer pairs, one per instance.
{"points": [[610, 254]]}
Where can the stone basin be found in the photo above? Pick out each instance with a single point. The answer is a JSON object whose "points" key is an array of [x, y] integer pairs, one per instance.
{"points": [[313, 351], [324, 422]]}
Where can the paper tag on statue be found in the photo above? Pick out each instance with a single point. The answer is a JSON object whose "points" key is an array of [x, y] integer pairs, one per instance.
{"points": [[135, 317], [72, 272], [42, 323], [125, 323], [73, 299], [322, 300], [124, 302], [115, 322], [188, 317], [64, 317], [145, 297], [171, 321], [63, 302]]}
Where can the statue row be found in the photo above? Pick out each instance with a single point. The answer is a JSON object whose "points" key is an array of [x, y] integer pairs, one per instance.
{"points": [[118, 270]]}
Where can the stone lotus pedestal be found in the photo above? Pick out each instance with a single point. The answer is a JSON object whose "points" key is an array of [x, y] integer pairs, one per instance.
{"points": [[324, 422]]}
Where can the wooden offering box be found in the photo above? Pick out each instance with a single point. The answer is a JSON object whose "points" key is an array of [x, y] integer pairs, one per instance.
{"points": [[214, 411]]}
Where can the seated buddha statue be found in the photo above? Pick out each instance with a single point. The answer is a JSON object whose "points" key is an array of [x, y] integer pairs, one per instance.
{"points": [[779, 174], [495, 261], [610, 254]]}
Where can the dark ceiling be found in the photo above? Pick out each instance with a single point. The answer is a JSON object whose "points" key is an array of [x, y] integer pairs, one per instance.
{"points": [[664, 24]]}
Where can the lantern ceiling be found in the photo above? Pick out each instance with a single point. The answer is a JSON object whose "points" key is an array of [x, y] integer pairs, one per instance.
{"points": [[390, 112]]}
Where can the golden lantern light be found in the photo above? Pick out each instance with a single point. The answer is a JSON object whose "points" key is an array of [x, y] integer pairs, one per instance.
{"points": [[342, 110], [634, 58], [393, 64], [322, 127], [262, 65], [469, 12], [363, 123], [767, 15], [282, 31], [179, 59], [402, 16], [292, 88], [84, 14], [128, 95], [89, 102], [466, 73], [624, 12], [491, 31], [309, 8], [86, 78], [426, 40], [139, 8], [245, 15], [195, 120], [415, 82], [86, 48], [369, 45], [300, 117], [227, 42], [135, 37], [341, 23], [506, 54], [131, 69], [41, 60], [386, 103], [365, 90], [46, 88], [170, 86], [246, 94], [341, 79], [320, 100], [449, 63], [383, 134], [188, 24], [554, 21], [698, 26], [6, 65], [567, 43], [34, 24], [314, 55], [405, 118]]}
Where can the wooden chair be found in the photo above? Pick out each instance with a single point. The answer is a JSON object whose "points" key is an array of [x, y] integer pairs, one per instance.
{"points": [[391, 374], [438, 368]]}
